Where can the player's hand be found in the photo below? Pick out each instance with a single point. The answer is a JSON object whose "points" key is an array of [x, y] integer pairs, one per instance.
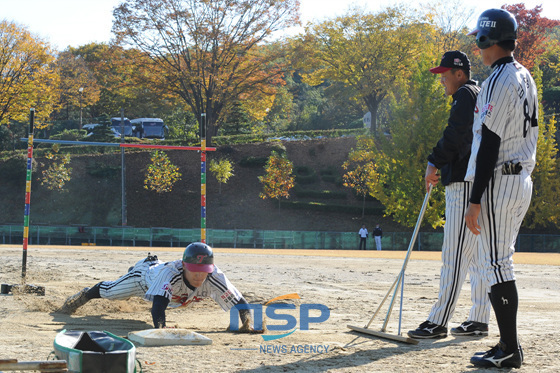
{"points": [[247, 328], [471, 218], [250, 330], [431, 177]]}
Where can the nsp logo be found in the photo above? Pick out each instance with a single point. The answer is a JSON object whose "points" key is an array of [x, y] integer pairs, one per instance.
{"points": [[274, 312]]}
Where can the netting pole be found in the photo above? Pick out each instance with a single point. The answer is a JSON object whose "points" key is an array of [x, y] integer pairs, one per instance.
{"points": [[27, 195], [203, 177], [123, 176]]}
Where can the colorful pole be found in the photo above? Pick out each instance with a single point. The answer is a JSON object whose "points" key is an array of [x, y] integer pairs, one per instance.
{"points": [[116, 144], [27, 195], [203, 177]]}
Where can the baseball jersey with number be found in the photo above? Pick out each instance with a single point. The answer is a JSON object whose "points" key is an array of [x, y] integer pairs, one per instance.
{"points": [[507, 105], [166, 279], [503, 156]]}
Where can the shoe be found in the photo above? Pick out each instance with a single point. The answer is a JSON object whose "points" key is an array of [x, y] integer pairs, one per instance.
{"points": [[428, 330], [497, 357], [469, 328], [74, 302]]}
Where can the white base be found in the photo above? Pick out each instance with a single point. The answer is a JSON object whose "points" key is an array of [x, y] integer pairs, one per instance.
{"points": [[168, 337]]}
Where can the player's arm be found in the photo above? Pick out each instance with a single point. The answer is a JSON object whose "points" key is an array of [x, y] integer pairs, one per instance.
{"points": [[244, 314], [159, 305], [485, 163]]}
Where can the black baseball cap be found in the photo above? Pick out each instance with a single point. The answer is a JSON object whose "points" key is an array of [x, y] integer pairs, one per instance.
{"points": [[452, 60]]}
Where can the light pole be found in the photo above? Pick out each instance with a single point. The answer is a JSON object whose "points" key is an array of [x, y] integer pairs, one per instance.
{"points": [[81, 90]]}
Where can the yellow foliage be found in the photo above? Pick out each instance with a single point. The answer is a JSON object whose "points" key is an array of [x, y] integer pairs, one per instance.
{"points": [[29, 78], [161, 174]]}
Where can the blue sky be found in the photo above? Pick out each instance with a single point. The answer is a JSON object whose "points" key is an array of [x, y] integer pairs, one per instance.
{"points": [[78, 22]]}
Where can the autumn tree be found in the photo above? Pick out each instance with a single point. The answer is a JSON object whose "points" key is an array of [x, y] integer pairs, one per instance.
{"points": [[531, 34], [28, 77], [78, 85], [127, 78], [222, 170], [209, 49], [358, 178], [450, 19], [279, 177], [371, 53], [161, 174]]}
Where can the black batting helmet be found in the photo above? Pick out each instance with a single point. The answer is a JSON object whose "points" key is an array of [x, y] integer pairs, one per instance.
{"points": [[494, 26], [199, 257]]}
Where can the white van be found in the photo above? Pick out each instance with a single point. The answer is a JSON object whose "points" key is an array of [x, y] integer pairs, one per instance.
{"points": [[149, 128]]}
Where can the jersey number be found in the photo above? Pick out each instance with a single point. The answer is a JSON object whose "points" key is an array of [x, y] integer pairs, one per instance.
{"points": [[529, 120]]}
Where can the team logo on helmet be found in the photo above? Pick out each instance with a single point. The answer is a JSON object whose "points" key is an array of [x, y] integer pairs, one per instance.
{"points": [[200, 258]]}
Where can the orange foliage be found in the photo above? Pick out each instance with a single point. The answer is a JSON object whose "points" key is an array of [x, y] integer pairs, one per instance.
{"points": [[531, 34]]}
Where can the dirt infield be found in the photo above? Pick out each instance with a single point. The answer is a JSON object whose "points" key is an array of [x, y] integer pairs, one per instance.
{"points": [[350, 283]]}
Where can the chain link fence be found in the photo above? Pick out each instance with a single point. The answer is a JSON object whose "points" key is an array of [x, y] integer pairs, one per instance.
{"points": [[243, 238]]}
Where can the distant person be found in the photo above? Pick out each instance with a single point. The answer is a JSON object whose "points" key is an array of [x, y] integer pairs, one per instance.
{"points": [[363, 233], [174, 284], [377, 235]]}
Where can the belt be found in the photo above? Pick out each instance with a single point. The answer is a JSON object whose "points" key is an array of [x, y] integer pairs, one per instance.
{"points": [[510, 168]]}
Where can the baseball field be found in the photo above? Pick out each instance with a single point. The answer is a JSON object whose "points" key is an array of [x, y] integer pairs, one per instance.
{"points": [[351, 284]]}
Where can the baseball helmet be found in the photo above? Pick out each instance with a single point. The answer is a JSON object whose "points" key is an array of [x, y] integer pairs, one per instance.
{"points": [[199, 257], [494, 26]]}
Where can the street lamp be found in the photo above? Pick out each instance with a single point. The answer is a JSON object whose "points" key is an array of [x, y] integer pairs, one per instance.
{"points": [[81, 90]]}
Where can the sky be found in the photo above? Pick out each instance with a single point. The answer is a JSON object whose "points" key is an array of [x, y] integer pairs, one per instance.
{"points": [[65, 23]]}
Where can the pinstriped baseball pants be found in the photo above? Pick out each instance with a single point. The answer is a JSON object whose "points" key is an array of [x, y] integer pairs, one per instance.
{"points": [[459, 256], [132, 284], [502, 209]]}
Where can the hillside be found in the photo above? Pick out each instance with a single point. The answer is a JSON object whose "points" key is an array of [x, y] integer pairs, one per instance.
{"points": [[95, 200]]}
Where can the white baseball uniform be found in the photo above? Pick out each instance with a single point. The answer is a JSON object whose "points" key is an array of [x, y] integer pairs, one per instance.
{"points": [[150, 278], [507, 107], [459, 252]]}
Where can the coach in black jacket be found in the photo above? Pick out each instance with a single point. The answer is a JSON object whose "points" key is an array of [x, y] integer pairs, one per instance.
{"points": [[450, 157]]}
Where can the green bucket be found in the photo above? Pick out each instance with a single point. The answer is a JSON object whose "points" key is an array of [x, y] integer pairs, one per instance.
{"points": [[95, 352]]}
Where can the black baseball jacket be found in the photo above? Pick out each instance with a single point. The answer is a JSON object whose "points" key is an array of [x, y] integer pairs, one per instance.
{"points": [[452, 152]]}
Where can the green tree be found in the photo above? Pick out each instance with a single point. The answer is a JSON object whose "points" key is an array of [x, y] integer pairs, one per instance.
{"points": [[279, 177], [161, 174], [545, 206], [209, 50], [222, 170], [57, 174], [372, 53], [398, 160]]}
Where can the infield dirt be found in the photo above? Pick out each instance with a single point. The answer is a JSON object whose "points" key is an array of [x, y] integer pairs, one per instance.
{"points": [[350, 283]]}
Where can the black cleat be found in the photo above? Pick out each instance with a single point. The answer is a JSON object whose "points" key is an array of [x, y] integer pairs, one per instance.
{"points": [[428, 330], [470, 328], [497, 357]]}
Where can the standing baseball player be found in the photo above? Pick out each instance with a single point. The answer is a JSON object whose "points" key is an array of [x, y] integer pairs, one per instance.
{"points": [[503, 156], [459, 251], [174, 284]]}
